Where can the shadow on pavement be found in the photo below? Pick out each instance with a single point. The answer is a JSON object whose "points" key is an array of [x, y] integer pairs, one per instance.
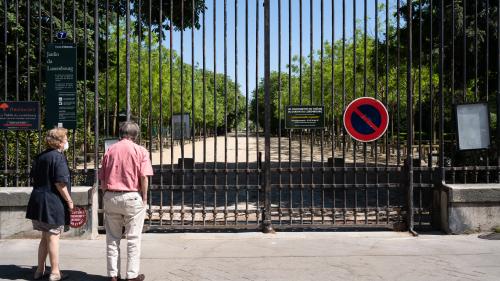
{"points": [[24, 272]]}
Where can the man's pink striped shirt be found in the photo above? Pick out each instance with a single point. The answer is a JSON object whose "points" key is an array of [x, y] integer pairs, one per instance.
{"points": [[123, 165]]}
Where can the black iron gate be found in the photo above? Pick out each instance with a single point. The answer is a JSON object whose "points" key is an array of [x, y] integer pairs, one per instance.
{"points": [[209, 83]]}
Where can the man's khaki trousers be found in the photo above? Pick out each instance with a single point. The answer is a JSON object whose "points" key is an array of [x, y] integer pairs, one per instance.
{"points": [[123, 209]]}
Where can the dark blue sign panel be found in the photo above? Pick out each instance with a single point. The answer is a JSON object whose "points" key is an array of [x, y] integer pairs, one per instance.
{"points": [[366, 119], [61, 35], [61, 109], [19, 115]]}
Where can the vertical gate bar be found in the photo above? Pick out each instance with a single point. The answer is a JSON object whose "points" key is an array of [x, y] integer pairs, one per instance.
{"points": [[365, 19], [160, 91], [464, 69], [85, 117], [452, 57], [5, 163], [290, 178], [106, 96], [73, 135], [376, 96], [420, 20], [311, 102], [183, 172], [246, 114], [464, 58], [301, 210], [127, 54], [139, 81], [259, 166], [431, 74], [498, 93], [204, 125], [387, 150], [39, 69], [17, 86], [475, 52], [452, 75], [441, 93], [398, 97], [74, 130], [139, 70], [409, 114], [376, 81], [171, 61], [28, 81], [117, 111], [215, 113], [236, 110], [280, 187], [267, 112], [333, 136], [193, 131], [150, 92], [476, 97], [354, 142], [96, 92], [51, 15], [62, 15], [487, 88], [322, 130], [344, 175], [225, 113], [74, 19]]}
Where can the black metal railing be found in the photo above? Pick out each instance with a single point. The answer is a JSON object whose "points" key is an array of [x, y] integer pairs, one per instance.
{"points": [[226, 71]]}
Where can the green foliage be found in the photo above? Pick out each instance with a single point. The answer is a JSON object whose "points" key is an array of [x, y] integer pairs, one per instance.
{"points": [[168, 88], [333, 91], [185, 14]]}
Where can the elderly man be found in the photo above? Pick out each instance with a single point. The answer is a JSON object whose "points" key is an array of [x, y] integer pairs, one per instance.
{"points": [[124, 181]]}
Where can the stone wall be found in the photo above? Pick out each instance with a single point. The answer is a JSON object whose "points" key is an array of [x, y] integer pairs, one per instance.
{"points": [[13, 202], [468, 208]]}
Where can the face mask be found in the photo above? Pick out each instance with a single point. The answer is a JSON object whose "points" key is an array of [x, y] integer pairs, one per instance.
{"points": [[66, 146]]}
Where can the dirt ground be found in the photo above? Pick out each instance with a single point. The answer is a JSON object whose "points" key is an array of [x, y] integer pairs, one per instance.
{"points": [[232, 149]]}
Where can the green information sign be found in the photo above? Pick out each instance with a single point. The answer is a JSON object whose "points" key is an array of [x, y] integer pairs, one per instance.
{"points": [[305, 117], [61, 86]]}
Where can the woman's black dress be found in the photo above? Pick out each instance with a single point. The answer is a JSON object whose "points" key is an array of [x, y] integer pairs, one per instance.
{"points": [[46, 203]]}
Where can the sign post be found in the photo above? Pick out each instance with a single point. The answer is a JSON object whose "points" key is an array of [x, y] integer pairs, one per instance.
{"points": [[366, 119], [61, 108]]}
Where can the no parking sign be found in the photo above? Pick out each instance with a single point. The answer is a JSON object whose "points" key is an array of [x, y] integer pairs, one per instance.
{"points": [[366, 119]]}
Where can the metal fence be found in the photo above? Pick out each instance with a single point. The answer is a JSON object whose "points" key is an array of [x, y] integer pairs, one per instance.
{"points": [[226, 71]]}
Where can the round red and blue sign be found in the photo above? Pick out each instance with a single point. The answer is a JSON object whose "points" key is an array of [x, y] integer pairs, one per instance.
{"points": [[366, 119]]}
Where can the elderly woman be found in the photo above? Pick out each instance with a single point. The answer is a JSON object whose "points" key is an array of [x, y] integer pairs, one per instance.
{"points": [[50, 202]]}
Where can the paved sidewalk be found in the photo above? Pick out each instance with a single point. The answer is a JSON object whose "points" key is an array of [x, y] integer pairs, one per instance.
{"points": [[281, 256]]}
